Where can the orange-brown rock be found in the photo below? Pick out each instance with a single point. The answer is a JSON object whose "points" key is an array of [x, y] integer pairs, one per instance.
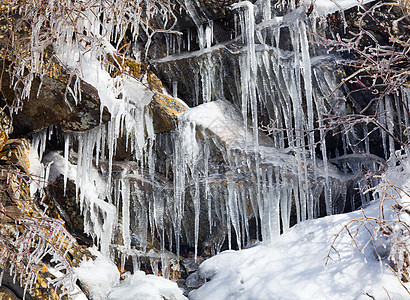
{"points": [[15, 153], [165, 110], [3, 140], [18, 204], [7, 294]]}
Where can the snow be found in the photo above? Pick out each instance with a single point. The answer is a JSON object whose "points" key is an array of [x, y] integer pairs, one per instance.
{"points": [[326, 7], [99, 275], [146, 287], [294, 265], [76, 293], [219, 117]]}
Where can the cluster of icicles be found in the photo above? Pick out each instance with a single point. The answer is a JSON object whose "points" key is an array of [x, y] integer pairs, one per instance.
{"points": [[259, 181]]}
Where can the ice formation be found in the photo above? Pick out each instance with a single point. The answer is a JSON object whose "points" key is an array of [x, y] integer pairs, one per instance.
{"points": [[259, 177], [293, 87]]}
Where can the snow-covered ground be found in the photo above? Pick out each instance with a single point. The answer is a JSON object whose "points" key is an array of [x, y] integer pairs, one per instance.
{"points": [[326, 7], [294, 266], [102, 279]]}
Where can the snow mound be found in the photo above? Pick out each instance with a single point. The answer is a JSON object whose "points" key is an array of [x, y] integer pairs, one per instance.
{"points": [[146, 287], [293, 267], [99, 275]]}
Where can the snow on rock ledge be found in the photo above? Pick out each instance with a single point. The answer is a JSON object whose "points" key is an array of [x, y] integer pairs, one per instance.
{"points": [[99, 275], [327, 7], [146, 287]]}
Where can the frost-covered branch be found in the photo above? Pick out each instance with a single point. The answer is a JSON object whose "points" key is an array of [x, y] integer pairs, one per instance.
{"points": [[27, 239], [31, 32], [389, 232]]}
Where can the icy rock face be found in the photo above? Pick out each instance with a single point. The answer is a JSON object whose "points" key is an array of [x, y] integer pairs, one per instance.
{"points": [[5, 123], [266, 83], [204, 182], [274, 74], [265, 184], [49, 105], [5, 128], [123, 203], [199, 176], [16, 161]]}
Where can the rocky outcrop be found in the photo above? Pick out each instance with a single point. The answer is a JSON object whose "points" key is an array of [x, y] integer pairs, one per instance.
{"points": [[50, 103], [56, 97], [22, 218], [63, 205], [383, 25], [7, 294], [163, 107], [5, 128], [165, 111]]}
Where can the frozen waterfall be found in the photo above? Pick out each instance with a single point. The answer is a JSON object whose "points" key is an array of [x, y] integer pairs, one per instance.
{"points": [[218, 172]]}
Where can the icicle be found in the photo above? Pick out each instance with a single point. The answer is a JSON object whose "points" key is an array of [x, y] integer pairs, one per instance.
{"points": [[390, 123], [206, 183], [175, 89], [232, 208], [382, 120], [197, 207], [66, 155], [307, 79], [125, 195]]}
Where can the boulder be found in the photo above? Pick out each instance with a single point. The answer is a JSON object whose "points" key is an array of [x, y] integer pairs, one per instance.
{"points": [[165, 110], [51, 104]]}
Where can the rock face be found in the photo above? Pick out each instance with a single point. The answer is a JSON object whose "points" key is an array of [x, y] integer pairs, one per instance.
{"points": [[14, 154], [54, 96], [52, 104], [383, 26], [71, 105], [163, 107], [221, 171], [165, 110], [5, 128], [7, 294], [63, 205], [22, 213]]}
